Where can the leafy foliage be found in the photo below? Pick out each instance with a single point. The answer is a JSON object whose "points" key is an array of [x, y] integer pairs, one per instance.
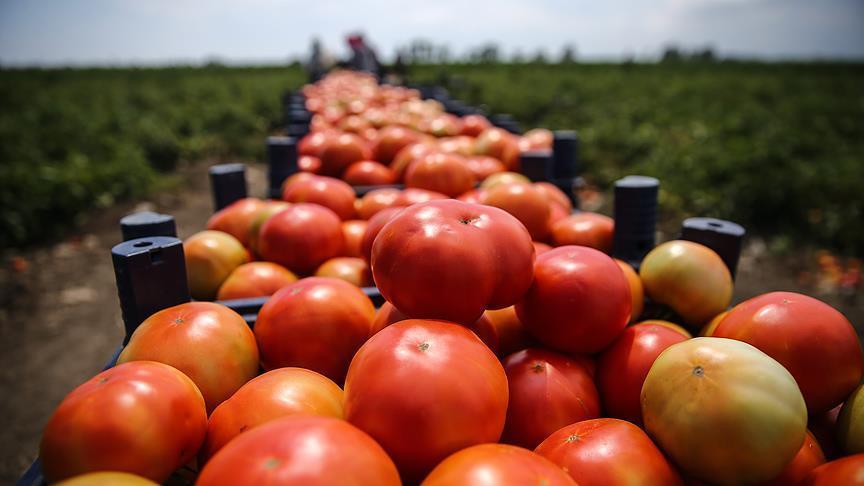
{"points": [[74, 139], [776, 147]]}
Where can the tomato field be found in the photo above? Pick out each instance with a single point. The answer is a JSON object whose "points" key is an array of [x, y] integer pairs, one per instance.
{"points": [[776, 147], [78, 139]]}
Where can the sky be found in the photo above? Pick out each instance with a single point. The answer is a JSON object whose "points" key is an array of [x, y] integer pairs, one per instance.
{"points": [[104, 32]]}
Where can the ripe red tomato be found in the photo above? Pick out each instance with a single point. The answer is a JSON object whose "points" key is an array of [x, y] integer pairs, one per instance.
{"points": [[313, 143], [352, 231], [301, 237], [444, 173], [98, 426], [498, 465], [317, 323], [211, 256], [579, 301], [608, 452], [275, 394], [452, 260], [808, 458], [237, 218], [848, 471], [503, 178], [538, 139], [296, 178], [409, 154], [301, 449], [460, 145], [255, 279], [499, 143], [414, 195], [341, 151], [354, 124], [374, 227], [482, 166], [208, 342], [623, 366], [511, 334], [474, 125], [547, 391], [350, 269], [390, 141], [309, 164], [524, 202], [376, 200], [326, 191], [443, 125], [463, 400], [555, 195], [368, 173], [784, 325], [586, 229]]}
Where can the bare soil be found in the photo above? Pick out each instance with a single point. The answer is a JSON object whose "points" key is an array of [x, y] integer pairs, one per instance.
{"points": [[60, 320]]}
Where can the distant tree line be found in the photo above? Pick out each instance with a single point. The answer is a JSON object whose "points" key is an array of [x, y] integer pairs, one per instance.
{"points": [[422, 51]]}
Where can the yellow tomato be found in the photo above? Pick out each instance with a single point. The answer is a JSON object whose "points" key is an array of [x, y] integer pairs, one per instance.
{"points": [[724, 411]]}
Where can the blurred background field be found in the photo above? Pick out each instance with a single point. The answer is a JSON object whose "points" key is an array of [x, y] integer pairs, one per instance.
{"points": [[75, 139], [778, 147]]}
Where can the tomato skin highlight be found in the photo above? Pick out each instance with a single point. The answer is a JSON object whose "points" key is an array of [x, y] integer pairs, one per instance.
{"points": [[579, 301], [301, 237], [547, 391], [499, 465], [586, 229], [784, 325], [623, 366], [452, 260], [809, 457], [461, 400], [303, 450], [317, 323], [255, 279], [608, 452], [331, 193], [688, 277], [100, 425], [848, 471], [267, 397], [208, 342]]}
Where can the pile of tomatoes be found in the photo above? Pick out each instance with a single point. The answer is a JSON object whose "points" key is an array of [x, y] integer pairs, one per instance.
{"points": [[509, 350]]}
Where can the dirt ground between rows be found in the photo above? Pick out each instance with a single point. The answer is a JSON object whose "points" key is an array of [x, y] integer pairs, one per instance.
{"points": [[60, 320]]}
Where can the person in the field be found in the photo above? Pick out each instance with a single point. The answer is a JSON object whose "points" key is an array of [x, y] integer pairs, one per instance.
{"points": [[363, 58]]}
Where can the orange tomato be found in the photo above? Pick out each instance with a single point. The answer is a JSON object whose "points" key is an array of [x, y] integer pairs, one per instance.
{"points": [[208, 342]]}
